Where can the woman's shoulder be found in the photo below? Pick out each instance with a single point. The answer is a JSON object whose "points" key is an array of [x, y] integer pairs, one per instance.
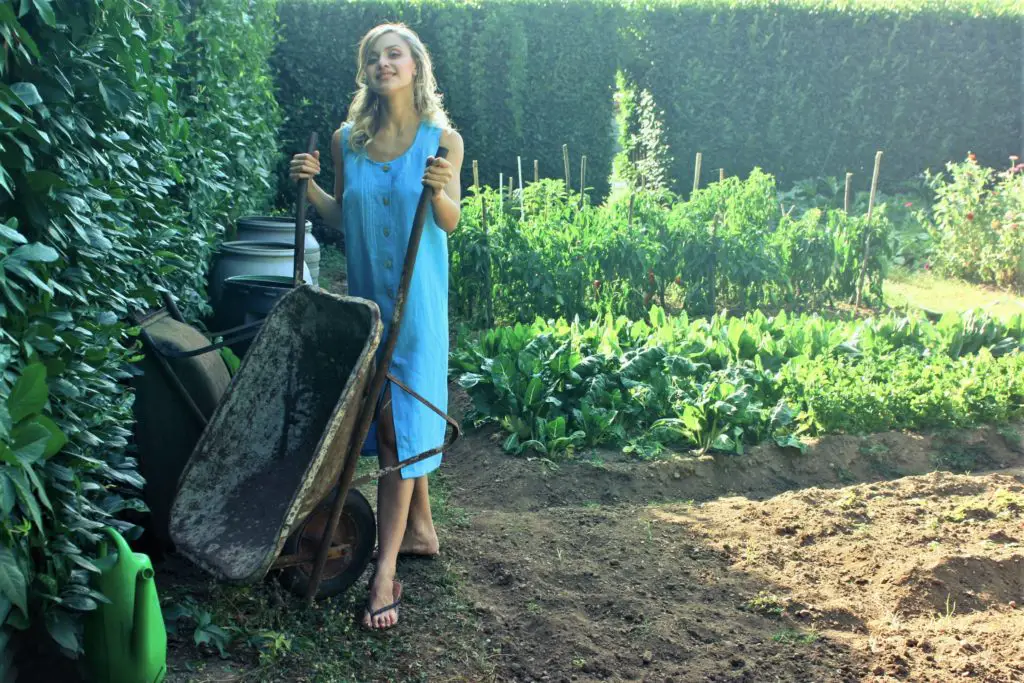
{"points": [[342, 133], [449, 137]]}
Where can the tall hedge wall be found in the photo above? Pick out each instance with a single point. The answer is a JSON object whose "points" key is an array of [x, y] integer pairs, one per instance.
{"points": [[519, 78], [814, 87], [131, 134], [797, 87]]}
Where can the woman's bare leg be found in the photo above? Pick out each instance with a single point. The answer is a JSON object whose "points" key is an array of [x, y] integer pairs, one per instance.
{"points": [[394, 495]]}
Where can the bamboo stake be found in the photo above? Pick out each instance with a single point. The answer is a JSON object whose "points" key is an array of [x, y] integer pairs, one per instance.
{"points": [[488, 286], [867, 236], [476, 174], [583, 179], [536, 171], [721, 175], [696, 174], [846, 195], [565, 158], [501, 192], [511, 188], [632, 196], [522, 205]]}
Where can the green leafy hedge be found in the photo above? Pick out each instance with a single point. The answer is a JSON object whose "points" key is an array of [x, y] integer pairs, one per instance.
{"points": [[132, 134], [801, 88], [808, 88]]}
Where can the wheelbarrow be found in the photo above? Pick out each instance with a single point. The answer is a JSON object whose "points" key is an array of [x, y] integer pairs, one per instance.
{"points": [[270, 484]]}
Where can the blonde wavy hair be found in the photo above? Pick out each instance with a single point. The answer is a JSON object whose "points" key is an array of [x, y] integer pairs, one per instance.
{"points": [[365, 112]]}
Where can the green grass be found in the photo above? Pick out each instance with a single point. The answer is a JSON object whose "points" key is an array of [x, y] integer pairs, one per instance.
{"points": [[933, 293]]}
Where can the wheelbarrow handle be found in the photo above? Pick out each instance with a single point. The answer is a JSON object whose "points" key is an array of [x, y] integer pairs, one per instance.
{"points": [[368, 408], [300, 221]]}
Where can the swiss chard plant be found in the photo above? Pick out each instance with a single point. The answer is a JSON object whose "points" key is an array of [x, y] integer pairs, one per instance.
{"points": [[724, 383]]}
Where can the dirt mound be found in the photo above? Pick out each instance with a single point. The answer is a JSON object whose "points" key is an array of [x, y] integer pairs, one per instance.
{"points": [[961, 584], [583, 595]]}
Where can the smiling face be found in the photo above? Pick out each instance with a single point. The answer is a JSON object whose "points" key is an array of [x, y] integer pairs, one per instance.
{"points": [[389, 64]]}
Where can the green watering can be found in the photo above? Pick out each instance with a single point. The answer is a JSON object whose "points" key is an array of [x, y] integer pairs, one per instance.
{"points": [[125, 641]]}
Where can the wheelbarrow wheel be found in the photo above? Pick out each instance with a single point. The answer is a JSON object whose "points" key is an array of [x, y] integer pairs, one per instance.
{"points": [[351, 547]]}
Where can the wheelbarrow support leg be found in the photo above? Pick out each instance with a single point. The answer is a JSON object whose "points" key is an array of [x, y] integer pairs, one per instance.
{"points": [[376, 386]]}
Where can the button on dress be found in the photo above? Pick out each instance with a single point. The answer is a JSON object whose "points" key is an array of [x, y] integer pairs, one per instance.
{"points": [[378, 205]]}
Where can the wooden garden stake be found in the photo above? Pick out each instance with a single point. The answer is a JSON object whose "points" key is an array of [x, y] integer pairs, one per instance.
{"points": [[511, 189], [630, 220], [721, 175], [867, 236], [501, 192], [476, 174], [696, 174], [565, 158], [846, 195], [536, 171], [522, 206], [488, 287], [583, 179]]}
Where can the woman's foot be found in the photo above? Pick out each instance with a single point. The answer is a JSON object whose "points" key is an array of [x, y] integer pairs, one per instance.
{"points": [[381, 611], [417, 544], [421, 542]]}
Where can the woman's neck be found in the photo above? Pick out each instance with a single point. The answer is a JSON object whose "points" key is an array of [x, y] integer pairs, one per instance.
{"points": [[398, 113]]}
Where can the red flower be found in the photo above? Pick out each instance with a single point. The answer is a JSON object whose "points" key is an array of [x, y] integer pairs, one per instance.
{"points": [[970, 215], [972, 156], [908, 204]]}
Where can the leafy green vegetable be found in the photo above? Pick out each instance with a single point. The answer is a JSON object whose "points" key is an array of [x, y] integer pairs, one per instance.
{"points": [[723, 383]]}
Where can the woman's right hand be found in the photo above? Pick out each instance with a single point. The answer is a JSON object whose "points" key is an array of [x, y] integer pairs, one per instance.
{"points": [[304, 166]]}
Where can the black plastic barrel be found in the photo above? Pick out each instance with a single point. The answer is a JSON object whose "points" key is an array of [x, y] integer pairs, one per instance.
{"points": [[248, 298]]}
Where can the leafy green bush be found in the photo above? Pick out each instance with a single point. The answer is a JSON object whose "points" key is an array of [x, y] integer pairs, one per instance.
{"points": [[978, 224], [907, 207], [728, 246], [133, 134], [726, 382]]}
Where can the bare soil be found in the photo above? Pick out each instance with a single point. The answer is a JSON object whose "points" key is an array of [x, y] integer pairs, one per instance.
{"points": [[763, 567]]}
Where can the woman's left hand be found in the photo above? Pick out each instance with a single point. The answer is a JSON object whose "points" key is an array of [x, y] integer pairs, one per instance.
{"points": [[438, 174]]}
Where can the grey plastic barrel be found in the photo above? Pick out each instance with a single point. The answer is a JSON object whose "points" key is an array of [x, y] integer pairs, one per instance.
{"points": [[280, 229], [273, 259]]}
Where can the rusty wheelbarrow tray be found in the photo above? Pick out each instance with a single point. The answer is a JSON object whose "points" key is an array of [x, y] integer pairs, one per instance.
{"points": [[276, 444]]}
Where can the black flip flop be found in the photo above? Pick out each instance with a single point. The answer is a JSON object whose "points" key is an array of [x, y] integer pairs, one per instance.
{"points": [[396, 590]]}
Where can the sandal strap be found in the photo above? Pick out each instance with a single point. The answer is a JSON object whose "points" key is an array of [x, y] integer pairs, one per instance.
{"points": [[382, 610]]}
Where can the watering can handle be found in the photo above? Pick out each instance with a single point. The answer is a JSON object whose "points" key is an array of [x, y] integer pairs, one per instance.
{"points": [[300, 220]]}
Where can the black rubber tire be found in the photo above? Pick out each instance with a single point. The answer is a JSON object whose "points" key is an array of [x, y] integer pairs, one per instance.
{"points": [[357, 526]]}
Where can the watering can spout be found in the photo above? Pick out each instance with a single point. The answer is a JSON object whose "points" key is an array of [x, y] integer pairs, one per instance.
{"points": [[146, 602]]}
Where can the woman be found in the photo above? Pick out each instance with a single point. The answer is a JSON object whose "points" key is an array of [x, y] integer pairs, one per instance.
{"points": [[383, 157]]}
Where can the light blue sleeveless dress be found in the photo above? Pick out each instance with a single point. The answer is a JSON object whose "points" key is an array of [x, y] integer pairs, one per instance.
{"points": [[378, 205]]}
